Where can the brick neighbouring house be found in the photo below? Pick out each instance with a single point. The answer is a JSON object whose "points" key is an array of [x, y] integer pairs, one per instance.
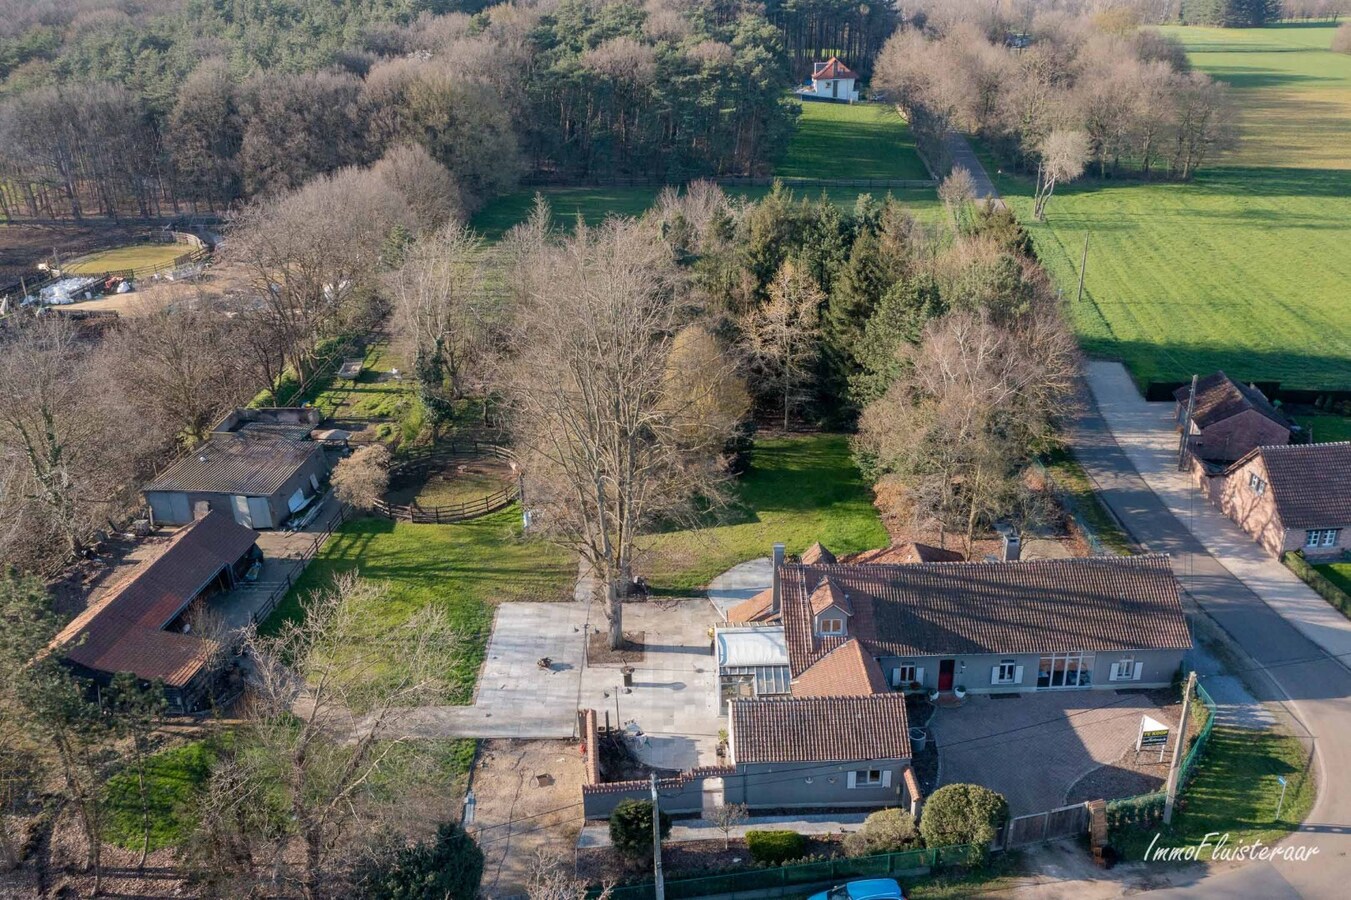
{"points": [[1229, 419], [1291, 497]]}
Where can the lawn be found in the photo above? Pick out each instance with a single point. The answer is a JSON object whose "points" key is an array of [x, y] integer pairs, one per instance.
{"points": [[595, 204], [1235, 792], [1245, 268], [1084, 500], [1338, 573], [136, 256], [174, 778], [859, 140], [1326, 429], [798, 490], [464, 569]]}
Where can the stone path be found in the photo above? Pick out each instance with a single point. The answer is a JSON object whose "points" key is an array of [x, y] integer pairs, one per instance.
{"points": [[740, 583], [959, 151]]}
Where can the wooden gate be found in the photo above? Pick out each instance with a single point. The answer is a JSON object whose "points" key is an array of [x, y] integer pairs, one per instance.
{"points": [[1063, 822]]}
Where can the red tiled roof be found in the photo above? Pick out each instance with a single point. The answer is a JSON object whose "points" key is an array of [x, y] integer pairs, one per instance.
{"points": [[846, 671], [911, 552], [1032, 606], [1219, 397], [756, 609], [832, 68], [123, 631], [816, 554], [828, 594], [824, 729], [1310, 483]]}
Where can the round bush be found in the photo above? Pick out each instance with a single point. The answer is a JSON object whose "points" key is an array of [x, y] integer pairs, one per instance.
{"points": [[885, 831], [962, 814], [775, 847], [631, 827], [449, 868]]}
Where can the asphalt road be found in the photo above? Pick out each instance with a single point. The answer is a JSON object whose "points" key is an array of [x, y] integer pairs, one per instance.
{"points": [[1314, 687]]}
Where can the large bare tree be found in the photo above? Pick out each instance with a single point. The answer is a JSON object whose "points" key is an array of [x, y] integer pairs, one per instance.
{"points": [[783, 335], [1064, 154], [613, 437]]}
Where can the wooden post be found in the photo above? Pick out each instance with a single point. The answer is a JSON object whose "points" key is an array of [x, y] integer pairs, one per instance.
{"points": [[1083, 267], [1186, 427], [1177, 748]]}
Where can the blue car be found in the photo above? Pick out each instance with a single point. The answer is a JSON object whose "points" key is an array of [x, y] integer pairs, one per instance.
{"points": [[866, 889]]}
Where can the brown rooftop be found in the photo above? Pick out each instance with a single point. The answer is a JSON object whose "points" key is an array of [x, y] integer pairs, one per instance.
{"points": [[1033, 606], [909, 552], [755, 610], [1310, 483], [815, 730], [1219, 397], [846, 671], [816, 554], [832, 68]]}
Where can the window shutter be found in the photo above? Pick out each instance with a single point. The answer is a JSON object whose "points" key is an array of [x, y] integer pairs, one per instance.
{"points": [[896, 677], [886, 778], [994, 675], [1111, 673], [1018, 675], [1139, 670], [853, 780], [919, 674]]}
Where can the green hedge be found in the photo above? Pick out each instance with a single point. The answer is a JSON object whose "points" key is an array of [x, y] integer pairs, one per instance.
{"points": [[1296, 563], [775, 847]]}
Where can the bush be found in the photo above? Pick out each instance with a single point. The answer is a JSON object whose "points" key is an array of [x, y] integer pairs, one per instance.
{"points": [[449, 868], [775, 848], [962, 814], [885, 831], [631, 827]]}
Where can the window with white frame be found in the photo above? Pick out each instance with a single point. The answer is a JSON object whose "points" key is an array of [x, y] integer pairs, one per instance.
{"points": [[1007, 671], [868, 777], [1256, 483], [1321, 537], [832, 626], [904, 674], [1125, 669]]}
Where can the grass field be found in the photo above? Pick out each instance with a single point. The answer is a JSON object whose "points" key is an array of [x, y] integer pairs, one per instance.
{"points": [[174, 777], [1338, 573], [841, 140], [595, 204], [464, 569], [1245, 268], [136, 256], [798, 490]]}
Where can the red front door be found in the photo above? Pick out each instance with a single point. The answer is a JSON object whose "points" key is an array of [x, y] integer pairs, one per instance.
{"points": [[945, 670]]}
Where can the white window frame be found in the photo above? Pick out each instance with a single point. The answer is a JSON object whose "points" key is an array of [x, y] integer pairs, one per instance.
{"points": [[837, 630], [904, 673], [1256, 483], [1321, 537], [869, 778], [1127, 668], [1008, 671]]}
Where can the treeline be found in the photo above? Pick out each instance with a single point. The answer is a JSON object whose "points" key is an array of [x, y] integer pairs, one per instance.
{"points": [[818, 29], [1231, 13], [1118, 98], [195, 106]]}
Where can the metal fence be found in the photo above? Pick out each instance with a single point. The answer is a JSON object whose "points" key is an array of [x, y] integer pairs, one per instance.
{"points": [[816, 872], [1187, 770]]}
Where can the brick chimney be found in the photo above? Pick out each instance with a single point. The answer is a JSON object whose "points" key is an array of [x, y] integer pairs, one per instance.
{"points": [[776, 604], [1013, 546]]}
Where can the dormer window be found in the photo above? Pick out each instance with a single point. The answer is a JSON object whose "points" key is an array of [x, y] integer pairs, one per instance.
{"points": [[832, 626]]}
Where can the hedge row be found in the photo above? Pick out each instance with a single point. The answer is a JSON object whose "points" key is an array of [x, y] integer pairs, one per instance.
{"points": [[1315, 579]]}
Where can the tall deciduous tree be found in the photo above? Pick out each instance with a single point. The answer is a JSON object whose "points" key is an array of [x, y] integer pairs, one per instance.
{"points": [[613, 436], [1063, 157], [783, 335]]}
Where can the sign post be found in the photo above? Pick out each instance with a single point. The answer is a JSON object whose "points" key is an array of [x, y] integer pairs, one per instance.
{"points": [[1187, 695], [1153, 733], [1280, 803]]}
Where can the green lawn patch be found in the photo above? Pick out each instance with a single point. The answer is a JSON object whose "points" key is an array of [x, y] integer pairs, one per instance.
{"points": [[1085, 501], [1244, 268], [1326, 429], [1338, 573], [1000, 873], [858, 140], [465, 569], [139, 257], [174, 778], [798, 490], [1235, 792], [596, 204]]}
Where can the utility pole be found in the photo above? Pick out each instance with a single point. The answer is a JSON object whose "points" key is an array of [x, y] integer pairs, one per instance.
{"points": [[1186, 428], [1083, 267], [1177, 749], [659, 882]]}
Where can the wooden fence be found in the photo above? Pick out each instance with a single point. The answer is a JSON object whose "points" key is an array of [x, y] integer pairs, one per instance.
{"points": [[556, 180], [279, 589], [418, 463]]}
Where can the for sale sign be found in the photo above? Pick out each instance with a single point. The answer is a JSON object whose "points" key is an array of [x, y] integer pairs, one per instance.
{"points": [[1153, 733]]}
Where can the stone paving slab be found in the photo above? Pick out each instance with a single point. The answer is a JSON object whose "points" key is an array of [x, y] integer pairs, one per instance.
{"points": [[740, 582], [1034, 748]]}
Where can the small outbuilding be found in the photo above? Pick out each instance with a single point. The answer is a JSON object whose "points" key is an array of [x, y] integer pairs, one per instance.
{"points": [[833, 81], [1228, 419], [259, 466]]}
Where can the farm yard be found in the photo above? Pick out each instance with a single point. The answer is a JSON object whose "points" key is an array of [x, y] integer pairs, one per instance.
{"points": [[1245, 268]]}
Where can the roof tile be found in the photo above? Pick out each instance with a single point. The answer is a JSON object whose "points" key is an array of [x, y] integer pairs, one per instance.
{"points": [[825, 729]]}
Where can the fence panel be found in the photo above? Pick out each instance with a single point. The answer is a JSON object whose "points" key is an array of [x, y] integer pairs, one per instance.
{"points": [[1027, 830], [1067, 821]]}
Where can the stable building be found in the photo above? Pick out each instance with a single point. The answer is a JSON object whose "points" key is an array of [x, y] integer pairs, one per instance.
{"points": [[259, 466], [1228, 419], [141, 625]]}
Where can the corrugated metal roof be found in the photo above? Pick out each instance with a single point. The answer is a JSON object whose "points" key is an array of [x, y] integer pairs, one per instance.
{"points": [[248, 463], [751, 647]]}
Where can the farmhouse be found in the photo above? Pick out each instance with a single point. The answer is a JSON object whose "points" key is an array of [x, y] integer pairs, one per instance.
{"points": [[259, 466], [1228, 419], [831, 80], [1291, 497], [140, 626]]}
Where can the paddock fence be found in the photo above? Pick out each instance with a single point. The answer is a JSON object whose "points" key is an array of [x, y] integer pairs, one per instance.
{"points": [[619, 181], [418, 463]]}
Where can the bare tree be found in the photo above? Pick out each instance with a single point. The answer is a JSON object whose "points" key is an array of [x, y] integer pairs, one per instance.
{"points": [[611, 438], [361, 479], [322, 726], [552, 877], [1063, 157], [783, 335], [726, 817], [957, 191]]}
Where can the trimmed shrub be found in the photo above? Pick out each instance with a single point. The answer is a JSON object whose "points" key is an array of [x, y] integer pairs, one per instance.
{"points": [[775, 848], [631, 827], [448, 868], [962, 814], [885, 831]]}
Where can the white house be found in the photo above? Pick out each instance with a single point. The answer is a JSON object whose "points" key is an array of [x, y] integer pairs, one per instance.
{"points": [[832, 80]]}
